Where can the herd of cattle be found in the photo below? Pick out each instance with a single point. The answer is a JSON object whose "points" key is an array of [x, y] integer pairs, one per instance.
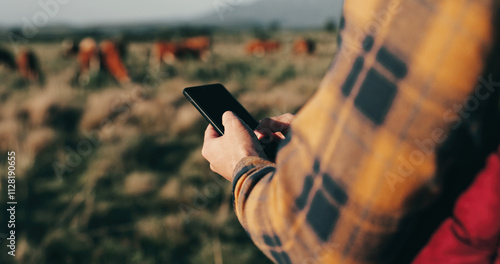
{"points": [[108, 55]]}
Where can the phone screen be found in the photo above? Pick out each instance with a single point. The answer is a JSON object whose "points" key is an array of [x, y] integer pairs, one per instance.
{"points": [[213, 100]]}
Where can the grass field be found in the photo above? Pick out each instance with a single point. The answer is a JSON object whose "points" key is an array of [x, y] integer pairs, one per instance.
{"points": [[110, 174]]}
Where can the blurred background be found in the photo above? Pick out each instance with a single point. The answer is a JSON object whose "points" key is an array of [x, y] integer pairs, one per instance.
{"points": [[108, 163]]}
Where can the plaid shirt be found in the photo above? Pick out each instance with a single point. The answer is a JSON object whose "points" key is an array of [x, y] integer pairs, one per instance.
{"points": [[361, 176]]}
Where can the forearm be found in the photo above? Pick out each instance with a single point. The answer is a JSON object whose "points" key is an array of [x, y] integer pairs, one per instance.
{"points": [[263, 212], [248, 173], [275, 205], [361, 163]]}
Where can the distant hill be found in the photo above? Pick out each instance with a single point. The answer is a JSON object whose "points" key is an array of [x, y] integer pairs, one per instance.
{"points": [[287, 13], [290, 14]]}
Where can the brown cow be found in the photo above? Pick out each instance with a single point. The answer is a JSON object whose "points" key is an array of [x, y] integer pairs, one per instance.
{"points": [[260, 48], [28, 65], [162, 52], [88, 59], [169, 52], [199, 46], [304, 46], [92, 58], [110, 54]]}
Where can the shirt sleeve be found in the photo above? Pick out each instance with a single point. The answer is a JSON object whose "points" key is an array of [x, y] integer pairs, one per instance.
{"points": [[360, 162]]}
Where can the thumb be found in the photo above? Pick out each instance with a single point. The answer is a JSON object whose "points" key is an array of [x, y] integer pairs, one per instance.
{"points": [[232, 122]]}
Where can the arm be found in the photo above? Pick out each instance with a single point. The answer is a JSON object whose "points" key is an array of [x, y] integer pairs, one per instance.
{"points": [[360, 161]]}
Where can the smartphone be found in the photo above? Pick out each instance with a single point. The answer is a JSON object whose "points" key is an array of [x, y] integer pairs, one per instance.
{"points": [[213, 100]]}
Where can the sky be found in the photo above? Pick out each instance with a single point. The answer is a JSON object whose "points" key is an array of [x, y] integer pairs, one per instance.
{"points": [[98, 12]]}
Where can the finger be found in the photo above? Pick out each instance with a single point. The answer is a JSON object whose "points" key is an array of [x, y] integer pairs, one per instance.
{"points": [[258, 134], [284, 118], [268, 134], [232, 122], [280, 135], [228, 118], [281, 123], [274, 128], [211, 133], [264, 126], [269, 125], [263, 123]]}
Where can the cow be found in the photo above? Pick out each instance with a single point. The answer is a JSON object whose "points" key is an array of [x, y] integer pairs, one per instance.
{"points": [[91, 57], [25, 63], [304, 46], [260, 48], [168, 52], [199, 46], [162, 52], [28, 65], [110, 54], [87, 55], [7, 59]]}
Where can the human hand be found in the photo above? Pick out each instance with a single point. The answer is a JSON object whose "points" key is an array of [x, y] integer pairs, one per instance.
{"points": [[224, 152], [274, 128]]}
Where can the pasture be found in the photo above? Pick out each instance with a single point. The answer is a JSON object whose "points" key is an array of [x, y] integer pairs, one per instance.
{"points": [[110, 173]]}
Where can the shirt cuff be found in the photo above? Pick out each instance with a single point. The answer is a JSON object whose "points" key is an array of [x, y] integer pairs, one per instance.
{"points": [[246, 165]]}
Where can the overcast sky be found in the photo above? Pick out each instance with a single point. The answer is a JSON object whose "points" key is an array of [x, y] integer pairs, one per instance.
{"points": [[96, 12]]}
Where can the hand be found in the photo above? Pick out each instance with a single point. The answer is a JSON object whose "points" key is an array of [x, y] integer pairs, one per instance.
{"points": [[224, 152], [274, 128]]}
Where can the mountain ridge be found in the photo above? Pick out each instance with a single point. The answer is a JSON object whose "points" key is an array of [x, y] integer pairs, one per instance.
{"points": [[287, 13]]}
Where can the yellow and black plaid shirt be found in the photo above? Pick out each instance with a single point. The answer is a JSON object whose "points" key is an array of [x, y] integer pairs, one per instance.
{"points": [[400, 112]]}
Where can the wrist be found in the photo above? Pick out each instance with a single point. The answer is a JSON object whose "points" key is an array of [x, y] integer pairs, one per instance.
{"points": [[247, 163]]}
